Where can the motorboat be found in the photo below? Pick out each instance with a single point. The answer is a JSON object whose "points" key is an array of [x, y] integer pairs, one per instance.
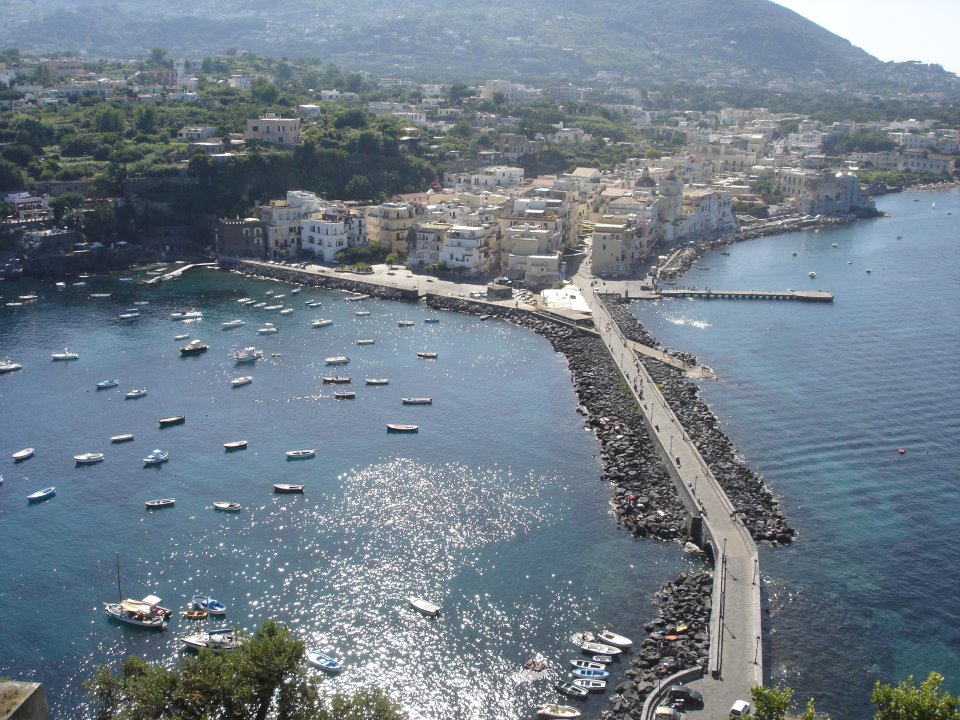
{"points": [[287, 489], [591, 684], [424, 606], [7, 365], [337, 360], [296, 291], [235, 445], [21, 455], [248, 355], [65, 355], [568, 688], [300, 454], [587, 664], [423, 355], [401, 428], [405, 323], [327, 663], [243, 300], [88, 458], [273, 307], [215, 640], [417, 401], [194, 347], [61, 285], [125, 279], [287, 311], [125, 437], [129, 315], [590, 673], [612, 638], [345, 395], [356, 298], [41, 495], [205, 602], [157, 457], [172, 420], [135, 393], [192, 314], [362, 313], [104, 384], [99, 295], [431, 320], [553, 710], [226, 506], [267, 330], [161, 503], [230, 324], [184, 336], [365, 341], [377, 381], [335, 380], [485, 317], [812, 274], [320, 322], [242, 380]]}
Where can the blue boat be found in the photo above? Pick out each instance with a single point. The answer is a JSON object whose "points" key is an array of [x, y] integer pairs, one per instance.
{"points": [[589, 673], [323, 661], [205, 602], [104, 384]]}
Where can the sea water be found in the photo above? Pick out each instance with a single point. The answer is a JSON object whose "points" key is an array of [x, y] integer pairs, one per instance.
{"points": [[819, 398], [494, 510]]}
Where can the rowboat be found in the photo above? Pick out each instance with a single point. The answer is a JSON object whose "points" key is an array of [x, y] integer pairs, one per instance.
{"points": [[41, 495], [21, 455], [362, 313], [241, 381], [320, 322], [301, 454], [235, 445], [400, 428], [65, 355], [377, 381], [205, 602], [125, 437], [365, 341], [194, 614], [226, 506], [287, 489], [135, 393], [552, 710], [595, 648], [345, 395], [172, 420], [162, 503], [325, 662], [424, 606], [88, 458], [417, 401], [586, 664], [426, 355], [405, 323], [591, 684], [337, 360], [568, 688], [335, 380], [590, 673], [104, 384], [612, 638], [602, 659], [431, 320]]}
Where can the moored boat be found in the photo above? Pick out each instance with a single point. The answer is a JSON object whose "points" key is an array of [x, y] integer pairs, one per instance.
{"points": [[7, 365], [215, 640], [586, 664], [182, 336], [335, 380], [248, 355], [553, 710], [205, 602], [242, 380], [612, 638], [595, 648], [417, 401], [21, 455], [362, 313], [287, 489], [327, 663], [235, 445], [336, 360], [365, 341], [590, 672], [88, 458], [226, 506], [157, 457], [230, 324], [41, 495], [345, 395], [591, 684], [267, 329], [104, 384], [402, 428], [137, 613], [377, 381], [67, 354], [194, 347], [287, 311], [135, 393], [301, 454], [405, 323], [424, 355], [424, 606], [194, 614], [192, 314], [431, 320], [568, 688], [320, 322], [125, 437], [161, 503], [172, 420]]}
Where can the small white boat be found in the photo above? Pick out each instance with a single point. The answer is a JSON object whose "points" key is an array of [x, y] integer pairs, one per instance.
{"points": [[405, 323], [327, 663], [67, 354], [402, 428], [417, 401], [99, 295], [248, 355], [272, 307], [157, 457], [423, 355], [172, 420], [337, 360], [287, 311], [553, 710], [235, 445], [230, 324], [320, 322], [131, 315], [226, 506], [612, 638], [377, 381], [287, 489], [279, 297], [591, 684], [301, 454], [194, 347], [812, 274], [568, 688], [345, 395], [135, 393], [587, 664], [41, 495], [365, 341], [125, 279], [424, 606], [7, 365], [61, 286], [296, 291], [192, 314], [184, 336], [125, 437], [243, 300], [21, 455], [595, 648], [241, 381], [267, 330], [88, 458], [214, 640], [362, 313], [161, 503]]}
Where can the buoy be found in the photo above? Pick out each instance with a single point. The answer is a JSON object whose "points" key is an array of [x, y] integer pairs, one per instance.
{"points": [[901, 450]]}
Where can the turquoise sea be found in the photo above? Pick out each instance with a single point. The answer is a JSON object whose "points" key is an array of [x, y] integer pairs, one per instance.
{"points": [[819, 398], [493, 509]]}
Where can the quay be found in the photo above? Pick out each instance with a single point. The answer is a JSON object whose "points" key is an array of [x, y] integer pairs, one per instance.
{"points": [[177, 273], [710, 294]]}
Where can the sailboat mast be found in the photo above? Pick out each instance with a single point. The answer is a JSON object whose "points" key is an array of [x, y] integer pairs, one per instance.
{"points": [[119, 592]]}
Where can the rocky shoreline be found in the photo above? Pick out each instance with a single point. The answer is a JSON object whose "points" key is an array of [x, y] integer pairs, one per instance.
{"points": [[330, 282]]}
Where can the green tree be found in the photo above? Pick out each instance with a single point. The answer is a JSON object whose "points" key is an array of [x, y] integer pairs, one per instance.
{"points": [[146, 118], [158, 57], [461, 128], [62, 204], [930, 701], [264, 91], [11, 177], [108, 119], [771, 703]]}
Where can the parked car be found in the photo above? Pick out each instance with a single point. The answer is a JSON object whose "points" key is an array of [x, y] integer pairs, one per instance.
{"points": [[503, 280], [687, 695], [741, 708], [666, 713]]}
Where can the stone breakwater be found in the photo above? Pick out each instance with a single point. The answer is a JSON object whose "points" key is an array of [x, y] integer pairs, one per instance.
{"points": [[644, 497], [678, 639], [331, 282], [759, 509]]}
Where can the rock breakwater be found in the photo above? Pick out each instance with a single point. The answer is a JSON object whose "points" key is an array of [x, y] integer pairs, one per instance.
{"points": [[331, 282]]}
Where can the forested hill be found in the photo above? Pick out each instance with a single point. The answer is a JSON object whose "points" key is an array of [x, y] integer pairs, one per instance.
{"points": [[749, 41]]}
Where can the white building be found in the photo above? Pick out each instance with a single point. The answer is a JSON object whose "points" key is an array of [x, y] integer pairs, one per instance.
{"points": [[471, 248], [495, 176]]}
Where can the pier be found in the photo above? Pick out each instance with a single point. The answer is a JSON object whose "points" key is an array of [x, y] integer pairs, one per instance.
{"points": [[709, 294]]}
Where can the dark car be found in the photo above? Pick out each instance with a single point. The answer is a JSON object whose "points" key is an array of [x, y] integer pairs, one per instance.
{"points": [[503, 280], [687, 695]]}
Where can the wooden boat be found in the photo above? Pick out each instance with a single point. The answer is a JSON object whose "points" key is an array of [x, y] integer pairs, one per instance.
{"points": [[41, 495], [424, 606], [320, 322], [135, 393], [301, 454], [591, 684], [336, 380], [205, 602], [161, 503], [590, 673], [21, 455], [157, 457], [226, 506], [400, 428], [345, 395], [104, 384], [595, 648], [194, 614], [602, 659], [327, 663], [612, 638], [553, 710], [194, 347], [405, 323], [230, 324], [241, 381], [125, 437], [587, 664], [88, 458], [337, 360], [568, 688], [287, 489], [235, 445], [65, 355], [365, 341], [377, 381], [417, 401], [423, 355], [172, 420]]}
